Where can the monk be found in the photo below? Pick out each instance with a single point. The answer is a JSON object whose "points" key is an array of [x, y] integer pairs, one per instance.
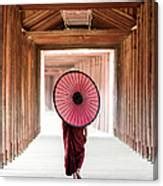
{"points": [[74, 140]]}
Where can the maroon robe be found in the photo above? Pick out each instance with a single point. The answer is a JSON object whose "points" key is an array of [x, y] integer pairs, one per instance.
{"points": [[74, 151]]}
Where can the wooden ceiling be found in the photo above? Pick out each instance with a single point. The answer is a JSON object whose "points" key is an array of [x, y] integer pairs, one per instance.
{"points": [[35, 19], [101, 24]]}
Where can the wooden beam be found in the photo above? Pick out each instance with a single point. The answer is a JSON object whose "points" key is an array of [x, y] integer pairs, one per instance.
{"points": [[51, 22], [124, 18], [108, 20], [55, 61], [79, 6], [47, 22], [62, 60], [77, 32], [99, 23], [37, 17], [51, 70], [78, 37], [77, 46], [29, 18], [124, 14], [115, 19], [55, 70], [57, 66], [51, 73]]}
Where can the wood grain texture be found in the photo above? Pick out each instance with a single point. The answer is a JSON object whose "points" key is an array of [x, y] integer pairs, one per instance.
{"points": [[123, 23], [59, 17], [79, 6], [78, 38], [137, 85], [1, 67], [19, 90]]}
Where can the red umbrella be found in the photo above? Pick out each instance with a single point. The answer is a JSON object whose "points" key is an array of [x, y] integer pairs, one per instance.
{"points": [[76, 98]]}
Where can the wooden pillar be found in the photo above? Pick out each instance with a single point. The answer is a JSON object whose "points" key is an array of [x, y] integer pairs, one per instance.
{"points": [[49, 85], [19, 71], [1, 67], [137, 84]]}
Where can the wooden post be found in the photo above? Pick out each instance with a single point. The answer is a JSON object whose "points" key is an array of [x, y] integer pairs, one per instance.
{"points": [[137, 84], [17, 72], [1, 67]]}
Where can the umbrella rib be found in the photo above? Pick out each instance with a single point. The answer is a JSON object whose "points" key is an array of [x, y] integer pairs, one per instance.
{"points": [[71, 114], [92, 106], [62, 100], [70, 84], [84, 109], [91, 90], [61, 105], [62, 89], [81, 82], [67, 113], [64, 111], [89, 87], [63, 86], [86, 116]]}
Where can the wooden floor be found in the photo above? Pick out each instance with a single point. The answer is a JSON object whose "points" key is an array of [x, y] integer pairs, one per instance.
{"points": [[106, 157]]}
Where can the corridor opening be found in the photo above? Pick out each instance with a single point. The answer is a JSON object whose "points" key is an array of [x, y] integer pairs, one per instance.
{"points": [[99, 64]]}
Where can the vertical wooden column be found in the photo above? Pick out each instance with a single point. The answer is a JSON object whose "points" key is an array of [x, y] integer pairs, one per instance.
{"points": [[20, 84], [154, 80], [137, 84], [49, 85], [97, 68], [1, 67], [106, 59]]}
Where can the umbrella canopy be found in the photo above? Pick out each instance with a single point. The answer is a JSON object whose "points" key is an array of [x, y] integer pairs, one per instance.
{"points": [[76, 98]]}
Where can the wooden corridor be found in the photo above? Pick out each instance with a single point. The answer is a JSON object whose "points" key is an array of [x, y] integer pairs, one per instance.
{"points": [[106, 158], [128, 28]]}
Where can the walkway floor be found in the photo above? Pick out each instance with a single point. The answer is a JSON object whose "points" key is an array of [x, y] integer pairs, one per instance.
{"points": [[106, 158]]}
